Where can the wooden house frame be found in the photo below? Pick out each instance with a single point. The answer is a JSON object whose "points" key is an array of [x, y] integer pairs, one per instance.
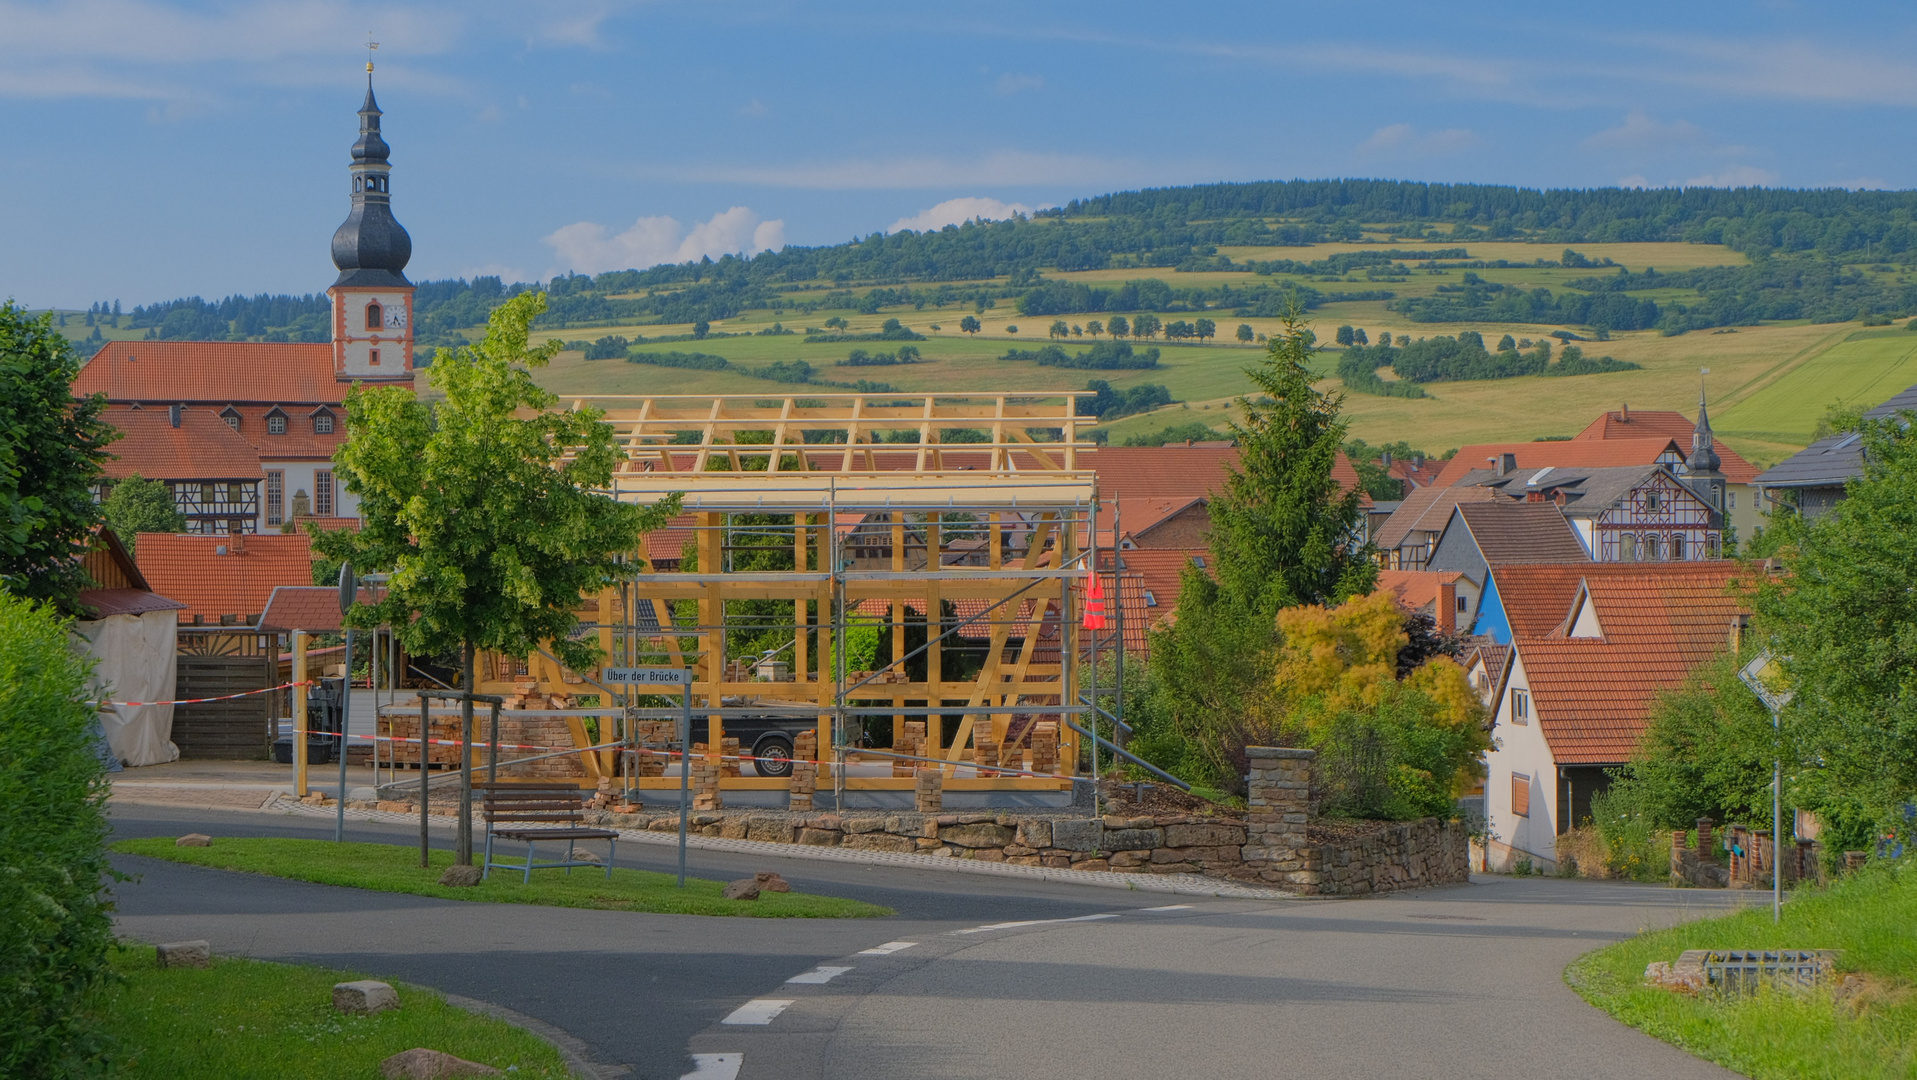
{"points": [[984, 532]]}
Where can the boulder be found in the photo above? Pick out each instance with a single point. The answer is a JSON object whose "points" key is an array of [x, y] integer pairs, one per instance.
{"points": [[1204, 835], [1078, 834], [194, 839], [1035, 833], [420, 1063], [978, 835], [184, 954], [1132, 839], [878, 841], [769, 881], [864, 824], [819, 837], [460, 877], [364, 997], [743, 889]]}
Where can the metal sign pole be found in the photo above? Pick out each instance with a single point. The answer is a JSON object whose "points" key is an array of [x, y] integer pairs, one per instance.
{"points": [[425, 731], [685, 772], [348, 593]]}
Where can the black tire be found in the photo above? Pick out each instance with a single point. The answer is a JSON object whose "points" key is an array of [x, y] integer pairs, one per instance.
{"points": [[774, 754]]}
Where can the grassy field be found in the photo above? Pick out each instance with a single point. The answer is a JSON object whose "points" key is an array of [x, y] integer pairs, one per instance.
{"points": [[247, 1020], [1863, 368], [390, 868], [1782, 1034]]}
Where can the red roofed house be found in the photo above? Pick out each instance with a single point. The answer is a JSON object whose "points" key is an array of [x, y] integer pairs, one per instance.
{"points": [[283, 400], [214, 474], [1591, 646], [1448, 597], [224, 580], [129, 633], [1741, 507]]}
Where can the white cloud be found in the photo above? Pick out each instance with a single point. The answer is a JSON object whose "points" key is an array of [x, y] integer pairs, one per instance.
{"points": [[998, 168], [959, 211], [1735, 176], [1402, 140], [590, 248], [1010, 83], [1641, 131]]}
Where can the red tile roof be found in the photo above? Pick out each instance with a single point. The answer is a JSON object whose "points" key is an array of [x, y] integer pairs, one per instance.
{"points": [[1160, 572], [1415, 590], [1521, 532], [313, 608], [1153, 483], [105, 602], [1593, 696], [203, 447], [240, 582], [1416, 476], [1582, 453], [1624, 424], [212, 372], [1426, 509]]}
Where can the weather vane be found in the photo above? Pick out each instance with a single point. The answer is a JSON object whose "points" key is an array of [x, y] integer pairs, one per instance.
{"points": [[370, 46]]}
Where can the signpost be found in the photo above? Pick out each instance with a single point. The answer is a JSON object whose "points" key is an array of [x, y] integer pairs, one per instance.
{"points": [[348, 592], [667, 676], [1764, 675]]}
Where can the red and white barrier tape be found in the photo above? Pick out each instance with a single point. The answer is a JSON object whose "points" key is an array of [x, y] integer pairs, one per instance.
{"points": [[201, 700]]}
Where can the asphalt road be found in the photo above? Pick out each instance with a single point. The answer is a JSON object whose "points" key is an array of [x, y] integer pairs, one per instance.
{"points": [[1458, 982]]}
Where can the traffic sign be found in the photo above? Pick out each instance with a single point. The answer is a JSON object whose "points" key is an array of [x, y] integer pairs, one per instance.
{"points": [[645, 676], [1765, 676]]}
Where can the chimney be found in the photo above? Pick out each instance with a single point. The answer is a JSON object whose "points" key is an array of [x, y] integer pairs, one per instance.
{"points": [[173, 414], [1505, 464], [1385, 459], [1736, 640], [1447, 607], [1417, 461], [1624, 415]]}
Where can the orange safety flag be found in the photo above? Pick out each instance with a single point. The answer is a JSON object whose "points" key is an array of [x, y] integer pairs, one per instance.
{"points": [[1095, 605]]}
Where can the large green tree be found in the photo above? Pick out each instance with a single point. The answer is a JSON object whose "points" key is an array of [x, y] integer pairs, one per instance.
{"points": [[486, 506], [140, 505], [1282, 533], [51, 452], [1845, 615]]}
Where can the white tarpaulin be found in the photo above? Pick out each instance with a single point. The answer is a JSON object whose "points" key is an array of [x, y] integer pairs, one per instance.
{"points": [[137, 657]]}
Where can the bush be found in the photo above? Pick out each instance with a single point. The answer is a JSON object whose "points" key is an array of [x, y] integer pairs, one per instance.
{"points": [[696, 360], [52, 854], [1631, 848], [1390, 761]]}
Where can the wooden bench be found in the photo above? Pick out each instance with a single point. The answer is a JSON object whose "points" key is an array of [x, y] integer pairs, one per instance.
{"points": [[538, 812]]}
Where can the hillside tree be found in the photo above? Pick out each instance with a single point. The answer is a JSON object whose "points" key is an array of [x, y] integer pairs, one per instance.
{"points": [[1245, 333], [52, 450], [970, 324]]}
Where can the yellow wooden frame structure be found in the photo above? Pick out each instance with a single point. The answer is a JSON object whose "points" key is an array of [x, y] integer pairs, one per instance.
{"points": [[826, 462]]}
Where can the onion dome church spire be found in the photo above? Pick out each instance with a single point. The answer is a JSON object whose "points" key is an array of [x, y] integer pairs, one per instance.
{"points": [[371, 248], [1703, 458]]}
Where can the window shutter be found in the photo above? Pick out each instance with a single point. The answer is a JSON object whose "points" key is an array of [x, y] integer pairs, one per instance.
{"points": [[1520, 794]]}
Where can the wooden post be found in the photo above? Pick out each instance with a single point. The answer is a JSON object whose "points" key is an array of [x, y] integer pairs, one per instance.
{"points": [[299, 714]]}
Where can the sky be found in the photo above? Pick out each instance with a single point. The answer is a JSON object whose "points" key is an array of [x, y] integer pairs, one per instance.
{"points": [[163, 148]]}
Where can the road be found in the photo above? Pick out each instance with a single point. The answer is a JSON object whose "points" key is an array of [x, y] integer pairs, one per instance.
{"points": [[1458, 982]]}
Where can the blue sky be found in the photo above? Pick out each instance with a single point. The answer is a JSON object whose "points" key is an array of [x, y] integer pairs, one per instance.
{"points": [[159, 149]]}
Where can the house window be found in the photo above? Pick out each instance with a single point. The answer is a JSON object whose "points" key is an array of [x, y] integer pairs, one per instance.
{"points": [[1651, 501], [1677, 548], [232, 420], [276, 424], [323, 424], [1463, 604], [1520, 794], [1715, 546], [323, 493], [1730, 499], [375, 318], [1520, 706], [275, 497], [373, 357], [1150, 600], [1627, 548], [1198, 561], [1652, 551]]}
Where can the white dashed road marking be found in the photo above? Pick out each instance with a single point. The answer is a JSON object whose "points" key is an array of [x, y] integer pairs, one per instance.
{"points": [[1169, 907], [758, 1012], [1035, 922], [887, 949], [715, 1067], [819, 975]]}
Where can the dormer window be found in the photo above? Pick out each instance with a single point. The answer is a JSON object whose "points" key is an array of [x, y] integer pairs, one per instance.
{"points": [[323, 423], [232, 418], [276, 424], [375, 316]]}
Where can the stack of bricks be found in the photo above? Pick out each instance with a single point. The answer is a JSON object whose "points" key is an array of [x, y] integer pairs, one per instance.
{"points": [[443, 729], [704, 780], [984, 749], [912, 745], [1045, 748], [805, 770], [729, 761], [931, 790]]}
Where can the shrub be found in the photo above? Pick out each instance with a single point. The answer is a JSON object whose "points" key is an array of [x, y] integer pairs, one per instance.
{"points": [[52, 854], [696, 360], [1631, 847]]}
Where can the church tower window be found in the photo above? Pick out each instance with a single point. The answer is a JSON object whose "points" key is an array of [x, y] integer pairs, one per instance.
{"points": [[375, 317]]}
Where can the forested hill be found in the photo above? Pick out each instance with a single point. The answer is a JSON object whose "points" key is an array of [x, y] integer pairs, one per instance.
{"points": [[1183, 229]]}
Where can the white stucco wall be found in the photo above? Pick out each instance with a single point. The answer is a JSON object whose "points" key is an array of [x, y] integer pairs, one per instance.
{"points": [[1520, 748], [299, 477]]}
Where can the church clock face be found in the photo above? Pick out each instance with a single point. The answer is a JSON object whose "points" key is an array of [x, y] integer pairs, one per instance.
{"points": [[396, 317]]}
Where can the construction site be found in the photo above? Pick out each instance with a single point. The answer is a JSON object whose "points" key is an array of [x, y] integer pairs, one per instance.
{"points": [[870, 593]]}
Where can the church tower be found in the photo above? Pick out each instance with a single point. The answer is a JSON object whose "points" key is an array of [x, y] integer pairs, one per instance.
{"points": [[372, 300], [1701, 468]]}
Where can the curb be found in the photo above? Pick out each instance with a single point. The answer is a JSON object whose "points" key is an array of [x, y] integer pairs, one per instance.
{"points": [[1173, 884], [578, 1056]]}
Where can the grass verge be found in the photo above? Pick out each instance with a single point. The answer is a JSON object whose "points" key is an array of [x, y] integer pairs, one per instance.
{"points": [[389, 868], [1783, 1034], [241, 1019]]}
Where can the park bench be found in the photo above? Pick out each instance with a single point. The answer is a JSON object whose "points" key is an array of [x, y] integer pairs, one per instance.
{"points": [[538, 813]]}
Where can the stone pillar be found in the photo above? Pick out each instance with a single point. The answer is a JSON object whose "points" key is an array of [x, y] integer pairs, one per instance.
{"points": [[931, 790], [805, 770], [1278, 797], [1854, 860], [1704, 837]]}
